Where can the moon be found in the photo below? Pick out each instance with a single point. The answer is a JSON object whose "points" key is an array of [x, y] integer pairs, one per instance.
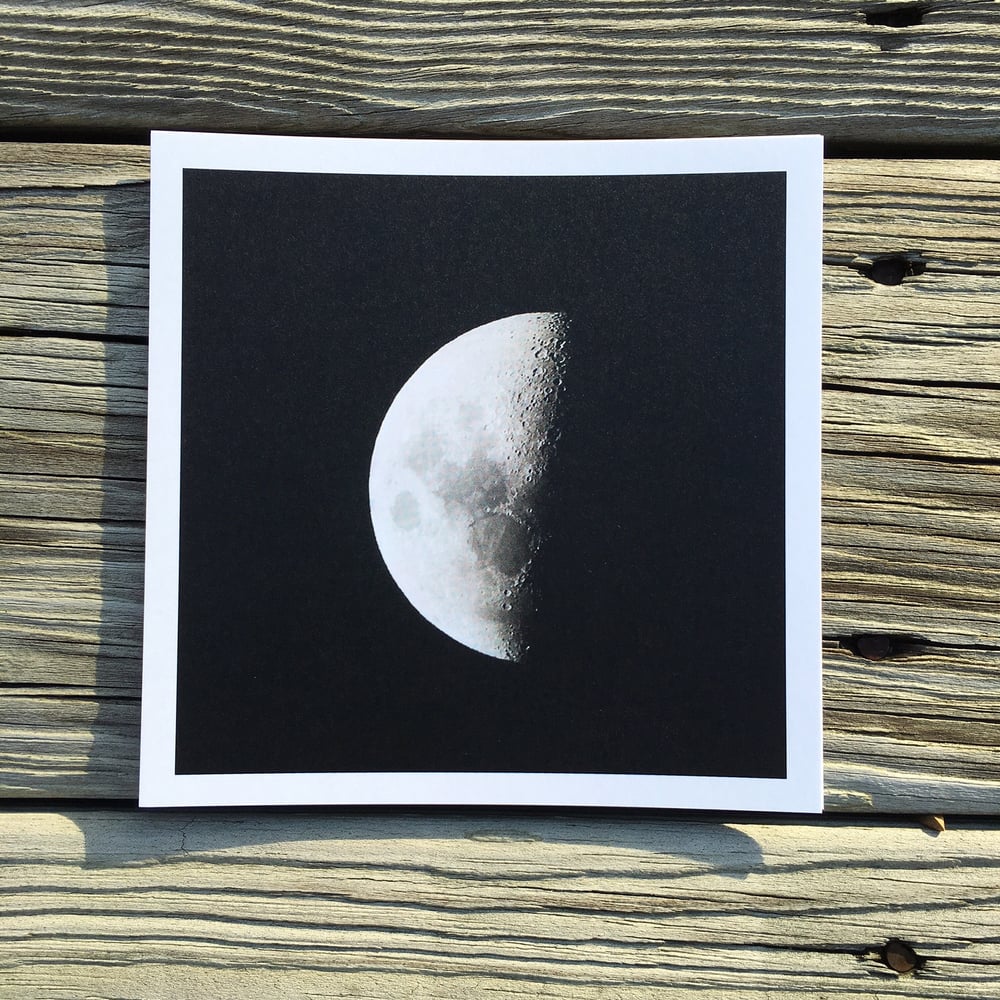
{"points": [[457, 470]]}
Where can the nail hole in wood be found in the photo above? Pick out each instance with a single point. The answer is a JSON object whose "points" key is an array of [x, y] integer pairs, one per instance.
{"points": [[900, 957], [890, 268], [881, 647], [897, 15]]}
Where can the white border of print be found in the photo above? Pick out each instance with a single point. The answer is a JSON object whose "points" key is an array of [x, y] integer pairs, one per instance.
{"points": [[800, 157]]}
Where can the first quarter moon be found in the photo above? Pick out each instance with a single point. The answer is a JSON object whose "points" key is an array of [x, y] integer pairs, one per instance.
{"points": [[457, 471]]}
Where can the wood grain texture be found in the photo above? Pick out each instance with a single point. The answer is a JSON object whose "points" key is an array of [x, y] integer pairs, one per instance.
{"points": [[107, 903], [481, 67], [911, 478]]}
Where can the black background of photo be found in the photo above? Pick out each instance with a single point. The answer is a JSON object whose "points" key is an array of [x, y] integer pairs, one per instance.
{"points": [[308, 300]]}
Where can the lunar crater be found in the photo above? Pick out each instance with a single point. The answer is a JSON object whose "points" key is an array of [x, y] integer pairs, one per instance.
{"points": [[457, 470]]}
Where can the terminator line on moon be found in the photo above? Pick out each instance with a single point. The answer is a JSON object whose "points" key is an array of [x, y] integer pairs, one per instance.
{"points": [[456, 470]]}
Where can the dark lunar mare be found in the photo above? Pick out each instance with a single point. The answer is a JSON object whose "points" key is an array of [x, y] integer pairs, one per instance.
{"points": [[657, 643]]}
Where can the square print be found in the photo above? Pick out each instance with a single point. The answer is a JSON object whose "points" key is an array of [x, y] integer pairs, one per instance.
{"points": [[483, 472]]}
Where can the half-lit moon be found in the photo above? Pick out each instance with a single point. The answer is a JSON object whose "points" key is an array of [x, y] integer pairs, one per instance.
{"points": [[455, 477]]}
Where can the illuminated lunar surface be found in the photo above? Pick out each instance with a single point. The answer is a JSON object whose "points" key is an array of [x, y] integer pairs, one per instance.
{"points": [[457, 470]]}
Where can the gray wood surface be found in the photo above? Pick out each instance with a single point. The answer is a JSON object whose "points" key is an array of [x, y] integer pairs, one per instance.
{"points": [[105, 903], [911, 482], [855, 72]]}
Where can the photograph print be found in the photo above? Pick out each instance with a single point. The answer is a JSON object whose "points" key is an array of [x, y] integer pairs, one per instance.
{"points": [[471, 477]]}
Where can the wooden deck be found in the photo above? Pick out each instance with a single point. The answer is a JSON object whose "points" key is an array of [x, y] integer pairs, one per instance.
{"points": [[101, 901]]}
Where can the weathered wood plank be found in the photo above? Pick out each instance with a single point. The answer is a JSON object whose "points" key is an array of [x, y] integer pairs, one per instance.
{"points": [[915, 732], [621, 68], [907, 545], [947, 422], [910, 484], [105, 902], [74, 249], [83, 498], [912, 538], [55, 420], [912, 734], [81, 362], [60, 743], [943, 208], [44, 168], [910, 547], [74, 238]]}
